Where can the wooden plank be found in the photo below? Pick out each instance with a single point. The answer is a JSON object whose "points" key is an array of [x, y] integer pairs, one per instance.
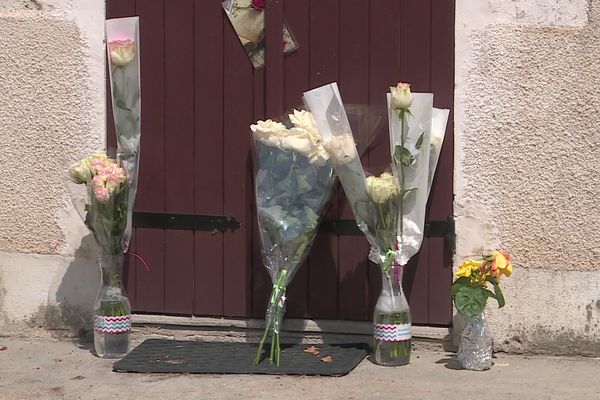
{"points": [[384, 71], [261, 281], [415, 44], [415, 282], [441, 197], [179, 152], [323, 261], [296, 69], [238, 188], [130, 272], [354, 83], [296, 63], [150, 290], [208, 155], [274, 58]]}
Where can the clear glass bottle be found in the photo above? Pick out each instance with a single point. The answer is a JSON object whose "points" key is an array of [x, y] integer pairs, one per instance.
{"points": [[475, 346], [392, 322], [112, 311]]}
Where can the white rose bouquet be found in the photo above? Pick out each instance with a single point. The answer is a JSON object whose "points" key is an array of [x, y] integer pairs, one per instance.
{"points": [[293, 181], [374, 200], [389, 209], [416, 137]]}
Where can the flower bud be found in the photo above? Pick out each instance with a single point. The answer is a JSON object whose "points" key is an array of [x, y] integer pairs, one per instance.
{"points": [[382, 189], [401, 96], [80, 172], [122, 52]]}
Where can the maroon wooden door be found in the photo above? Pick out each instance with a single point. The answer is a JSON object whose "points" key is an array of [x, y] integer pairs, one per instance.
{"points": [[199, 96]]}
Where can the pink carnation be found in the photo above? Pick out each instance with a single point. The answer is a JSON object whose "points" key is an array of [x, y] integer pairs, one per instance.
{"points": [[113, 181], [102, 193], [99, 181]]}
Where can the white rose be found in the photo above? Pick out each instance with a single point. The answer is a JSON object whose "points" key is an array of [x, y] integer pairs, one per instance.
{"points": [[297, 143], [341, 148], [268, 126], [268, 132], [401, 96], [322, 153], [80, 171], [303, 119], [383, 188]]}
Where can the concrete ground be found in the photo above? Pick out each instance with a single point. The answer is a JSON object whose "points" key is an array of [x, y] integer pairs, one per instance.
{"points": [[42, 367]]}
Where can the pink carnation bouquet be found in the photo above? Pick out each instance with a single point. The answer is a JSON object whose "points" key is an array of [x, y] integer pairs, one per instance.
{"points": [[104, 206], [107, 199]]}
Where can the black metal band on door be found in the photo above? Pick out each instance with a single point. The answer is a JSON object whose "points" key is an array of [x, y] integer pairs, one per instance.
{"points": [[221, 223]]}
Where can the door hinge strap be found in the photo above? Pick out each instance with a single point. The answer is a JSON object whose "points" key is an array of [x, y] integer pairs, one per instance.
{"points": [[192, 222]]}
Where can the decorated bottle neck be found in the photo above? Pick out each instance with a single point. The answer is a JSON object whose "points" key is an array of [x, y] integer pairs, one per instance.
{"points": [[392, 281], [111, 266]]}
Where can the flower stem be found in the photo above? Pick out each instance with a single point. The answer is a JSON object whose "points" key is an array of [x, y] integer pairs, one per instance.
{"points": [[402, 115]]}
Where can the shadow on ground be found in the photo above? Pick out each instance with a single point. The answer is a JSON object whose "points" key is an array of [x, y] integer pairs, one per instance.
{"points": [[450, 362], [71, 303]]}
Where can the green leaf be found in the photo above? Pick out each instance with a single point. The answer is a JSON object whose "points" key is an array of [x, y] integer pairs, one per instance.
{"points": [[406, 192], [459, 283], [498, 293], [403, 155], [121, 104], [471, 300], [420, 141]]}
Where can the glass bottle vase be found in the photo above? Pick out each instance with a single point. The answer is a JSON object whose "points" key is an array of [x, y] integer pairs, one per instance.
{"points": [[112, 311], [392, 322], [475, 346]]}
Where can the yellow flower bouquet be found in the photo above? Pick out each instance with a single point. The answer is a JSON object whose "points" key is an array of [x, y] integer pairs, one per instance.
{"points": [[470, 290]]}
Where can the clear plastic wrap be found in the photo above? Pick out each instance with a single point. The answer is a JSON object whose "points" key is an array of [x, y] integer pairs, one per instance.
{"points": [[122, 38], [413, 170], [293, 180], [416, 137], [105, 210], [475, 347], [375, 202], [389, 209], [373, 218]]}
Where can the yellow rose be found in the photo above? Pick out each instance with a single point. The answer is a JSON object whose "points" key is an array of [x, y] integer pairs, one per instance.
{"points": [[401, 96], [468, 267], [122, 52], [383, 188], [501, 264]]}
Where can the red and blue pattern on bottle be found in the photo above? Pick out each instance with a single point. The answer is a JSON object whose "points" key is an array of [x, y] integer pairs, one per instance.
{"points": [[392, 333], [119, 324]]}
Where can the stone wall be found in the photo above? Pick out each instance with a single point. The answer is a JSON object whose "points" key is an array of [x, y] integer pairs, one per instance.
{"points": [[52, 112], [526, 174]]}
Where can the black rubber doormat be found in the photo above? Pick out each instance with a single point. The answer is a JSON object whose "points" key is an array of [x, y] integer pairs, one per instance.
{"points": [[182, 356]]}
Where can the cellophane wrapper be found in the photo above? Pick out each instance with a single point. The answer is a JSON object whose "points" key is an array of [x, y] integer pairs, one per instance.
{"points": [[424, 129], [291, 191], [325, 103], [123, 48]]}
